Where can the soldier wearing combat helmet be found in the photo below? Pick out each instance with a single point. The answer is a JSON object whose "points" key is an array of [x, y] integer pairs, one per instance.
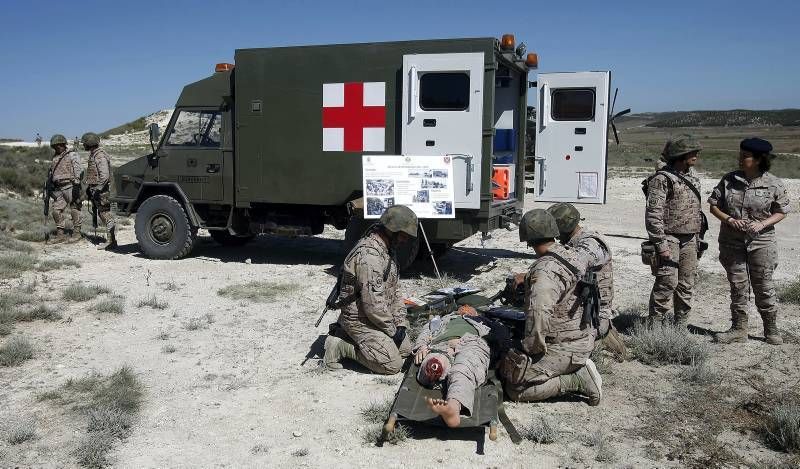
{"points": [[65, 174], [553, 357], [373, 317], [673, 220], [749, 202], [98, 179]]}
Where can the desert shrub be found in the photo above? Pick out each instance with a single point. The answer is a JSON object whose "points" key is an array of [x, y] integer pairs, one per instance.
{"points": [[790, 293], [601, 442], [700, 373], [113, 305], [14, 298], [259, 292], [56, 264], [19, 170], [543, 429], [15, 263], [80, 292], [5, 329], [168, 348], [21, 431], [658, 344], [8, 243], [783, 426], [152, 301], [377, 411], [15, 351], [38, 312], [373, 433]]}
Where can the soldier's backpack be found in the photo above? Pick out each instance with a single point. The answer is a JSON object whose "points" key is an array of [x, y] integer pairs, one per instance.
{"points": [[588, 291]]}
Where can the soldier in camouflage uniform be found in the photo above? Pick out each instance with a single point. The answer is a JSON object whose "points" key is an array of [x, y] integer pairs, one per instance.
{"points": [[65, 171], [554, 355], [673, 219], [452, 349], [373, 314], [573, 235], [749, 202], [98, 179]]}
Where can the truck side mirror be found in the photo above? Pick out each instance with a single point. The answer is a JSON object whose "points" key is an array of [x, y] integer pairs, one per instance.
{"points": [[155, 132]]}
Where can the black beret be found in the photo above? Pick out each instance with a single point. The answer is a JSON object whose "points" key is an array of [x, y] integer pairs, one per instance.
{"points": [[756, 145]]}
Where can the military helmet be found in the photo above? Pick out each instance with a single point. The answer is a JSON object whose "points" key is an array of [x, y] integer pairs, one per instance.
{"points": [[538, 224], [566, 215], [399, 218], [680, 146], [90, 139], [58, 139]]}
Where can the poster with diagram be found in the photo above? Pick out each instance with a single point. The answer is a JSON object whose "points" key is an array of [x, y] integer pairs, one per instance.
{"points": [[422, 183]]}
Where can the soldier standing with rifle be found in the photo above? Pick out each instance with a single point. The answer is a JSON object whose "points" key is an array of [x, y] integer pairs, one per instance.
{"points": [[98, 178], [63, 185]]}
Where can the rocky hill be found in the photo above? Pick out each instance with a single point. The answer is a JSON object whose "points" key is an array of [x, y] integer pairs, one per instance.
{"points": [[731, 118]]}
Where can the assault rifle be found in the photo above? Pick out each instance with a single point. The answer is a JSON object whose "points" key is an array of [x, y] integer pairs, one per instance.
{"points": [[589, 292]]}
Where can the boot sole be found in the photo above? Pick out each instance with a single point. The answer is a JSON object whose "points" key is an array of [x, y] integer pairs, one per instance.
{"points": [[598, 382]]}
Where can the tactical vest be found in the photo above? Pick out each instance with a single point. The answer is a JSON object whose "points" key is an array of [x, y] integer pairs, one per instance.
{"points": [[373, 254], [605, 275], [681, 210], [96, 158], [455, 329], [63, 172], [565, 322]]}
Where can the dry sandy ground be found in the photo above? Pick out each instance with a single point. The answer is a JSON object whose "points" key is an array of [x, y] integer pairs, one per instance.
{"points": [[234, 392]]}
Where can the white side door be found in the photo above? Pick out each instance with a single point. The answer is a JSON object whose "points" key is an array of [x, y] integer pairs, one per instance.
{"points": [[443, 114], [571, 133]]}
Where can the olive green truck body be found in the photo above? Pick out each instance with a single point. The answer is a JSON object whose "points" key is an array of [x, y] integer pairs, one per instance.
{"points": [[245, 151]]}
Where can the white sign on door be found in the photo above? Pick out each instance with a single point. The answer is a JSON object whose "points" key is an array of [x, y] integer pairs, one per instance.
{"points": [[422, 183]]}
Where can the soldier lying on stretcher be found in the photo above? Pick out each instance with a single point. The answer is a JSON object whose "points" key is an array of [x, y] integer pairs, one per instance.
{"points": [[456, 351]]}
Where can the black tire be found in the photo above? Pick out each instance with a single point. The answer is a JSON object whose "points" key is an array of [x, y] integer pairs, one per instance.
{"points": [[163, 229], [224, 238]]}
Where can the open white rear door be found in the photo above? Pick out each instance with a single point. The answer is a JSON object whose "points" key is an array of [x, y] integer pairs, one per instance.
{"points": [[443, 115], [571, 137]]}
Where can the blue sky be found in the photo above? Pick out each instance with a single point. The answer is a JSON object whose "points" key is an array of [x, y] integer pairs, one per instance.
{"points": [[77, 66]]}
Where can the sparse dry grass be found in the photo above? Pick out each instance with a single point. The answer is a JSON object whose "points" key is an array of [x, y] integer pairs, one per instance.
{"points": [[5, 329], [152, 301], [701, 373], [20, 431], [15, 351], [377, 411], [783, 427], [13, 264], [372, 434], [79, 292], [544, 429], [790, 293], [168, 348], [38, 312], [600, 440], [259, 292], [302, 452], [660, 344], [56, 264], [114, 305], [8, 243]]}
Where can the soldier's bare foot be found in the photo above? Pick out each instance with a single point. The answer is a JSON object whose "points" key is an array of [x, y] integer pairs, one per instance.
{"points": [[449, 410]]}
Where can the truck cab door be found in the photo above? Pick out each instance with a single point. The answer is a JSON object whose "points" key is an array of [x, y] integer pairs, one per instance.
{"points": [[571, 137], [443, 115], [191, 154]]}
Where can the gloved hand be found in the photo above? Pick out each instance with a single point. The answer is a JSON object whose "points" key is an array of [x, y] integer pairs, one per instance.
{"points": [[399, 335]]}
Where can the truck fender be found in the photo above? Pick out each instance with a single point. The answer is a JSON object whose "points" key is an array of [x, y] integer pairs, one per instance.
{"points": [[149, 189]]}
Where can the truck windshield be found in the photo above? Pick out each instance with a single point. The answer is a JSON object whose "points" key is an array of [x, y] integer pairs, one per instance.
{"points": [[196, 129]]}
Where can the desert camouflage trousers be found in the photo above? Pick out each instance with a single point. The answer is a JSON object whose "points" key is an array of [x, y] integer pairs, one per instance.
{"points": [[529, 379], [376, 350], [64, 199], [675, 279], [103, 203], [468, 371], [748, 270]]}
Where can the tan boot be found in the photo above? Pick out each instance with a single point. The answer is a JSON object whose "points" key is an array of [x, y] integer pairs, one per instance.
{"points": [[771, 333], [735, 334], [60, 237], [111, 243], [613, 343], [586, 381], [75, 236], [336, 350]]}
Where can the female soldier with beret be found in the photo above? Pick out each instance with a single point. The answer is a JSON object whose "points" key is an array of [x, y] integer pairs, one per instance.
{"points": [[749, 202]]}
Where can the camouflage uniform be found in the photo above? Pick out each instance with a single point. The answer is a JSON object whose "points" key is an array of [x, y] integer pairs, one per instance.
{"points": [[673, 222], [98, 174], [750, 261], [468, 354], [554, 342], [66, 173], [599, 259], [372, 319]]}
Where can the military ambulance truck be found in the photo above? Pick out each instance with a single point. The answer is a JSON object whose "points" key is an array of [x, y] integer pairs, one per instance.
{"points": [[274, 142]]}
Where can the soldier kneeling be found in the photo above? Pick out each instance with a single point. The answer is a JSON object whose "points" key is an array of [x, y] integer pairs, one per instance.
{"points": [[373, 314]]}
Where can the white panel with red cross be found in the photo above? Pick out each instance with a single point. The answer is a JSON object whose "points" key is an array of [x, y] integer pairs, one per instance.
{"points": [[354, 116]]}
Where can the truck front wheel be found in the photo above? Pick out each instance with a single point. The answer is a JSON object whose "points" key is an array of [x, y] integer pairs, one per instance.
{"points": [[163, 229]]}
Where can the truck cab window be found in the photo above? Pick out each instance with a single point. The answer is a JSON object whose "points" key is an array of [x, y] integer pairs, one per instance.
{"points": [[573, 104], [444, 91], [196, 129]]}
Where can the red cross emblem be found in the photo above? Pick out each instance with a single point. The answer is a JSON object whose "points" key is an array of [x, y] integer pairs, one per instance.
{"points": [[353, 116]]}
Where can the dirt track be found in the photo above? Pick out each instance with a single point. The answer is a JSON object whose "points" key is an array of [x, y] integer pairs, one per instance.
{"points": [[237, 383]]}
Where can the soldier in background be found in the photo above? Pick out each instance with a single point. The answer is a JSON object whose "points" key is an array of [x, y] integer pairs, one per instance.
{"points": [[749, 203], [573, 235], [98, 179], [76, 144], [65, 174], [673, 220], [38, 139], [373, 314], [554, 356]]}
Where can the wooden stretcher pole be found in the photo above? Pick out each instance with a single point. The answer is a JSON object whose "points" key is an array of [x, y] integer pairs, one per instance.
{"points": [[430, 251]]}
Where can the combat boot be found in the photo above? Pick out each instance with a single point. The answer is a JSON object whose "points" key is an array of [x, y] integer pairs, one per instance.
{"points": [[60, 237], [613, 343], [736, 333], [771, 333], [75, 236], [586, 381], [337, 349], [111, 243]]}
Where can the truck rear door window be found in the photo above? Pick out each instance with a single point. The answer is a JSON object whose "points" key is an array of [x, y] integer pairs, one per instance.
{"points": [[196, 129], [573, 104], [444, 91]]}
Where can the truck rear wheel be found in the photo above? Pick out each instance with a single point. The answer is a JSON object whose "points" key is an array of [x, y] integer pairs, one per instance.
{"points": [[163, 229], [224, 238]]}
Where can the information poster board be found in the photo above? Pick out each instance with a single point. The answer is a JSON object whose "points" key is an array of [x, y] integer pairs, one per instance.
{"points": [[422, 183]]}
